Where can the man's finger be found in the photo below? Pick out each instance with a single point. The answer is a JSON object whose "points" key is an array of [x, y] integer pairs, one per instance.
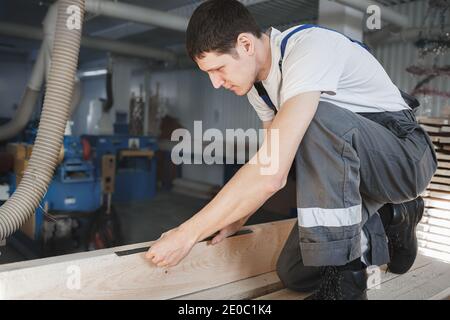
{"points": [[218, 238], [157, 259], [162, 264], [149, 255]]}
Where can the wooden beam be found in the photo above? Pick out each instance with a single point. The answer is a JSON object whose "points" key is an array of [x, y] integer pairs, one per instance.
{"points": [[284, 294], [427, 279], [418, 284], [240, 290], [433, 121], [103, 274], [437, 186]]}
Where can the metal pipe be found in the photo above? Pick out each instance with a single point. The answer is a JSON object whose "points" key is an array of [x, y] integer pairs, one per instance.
{"points": [[22, 115], [23, 31], [387, 14], [32, 91], [139, 14]]}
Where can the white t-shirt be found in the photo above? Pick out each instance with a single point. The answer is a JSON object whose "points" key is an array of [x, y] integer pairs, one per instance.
{"points": [[318, 59]]}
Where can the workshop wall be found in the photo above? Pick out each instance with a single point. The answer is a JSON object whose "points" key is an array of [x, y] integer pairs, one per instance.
{"points": [[15, 69], [94, 88], [189, 96], [396, 57]]}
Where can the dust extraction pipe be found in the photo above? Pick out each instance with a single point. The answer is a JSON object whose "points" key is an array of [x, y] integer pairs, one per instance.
{"points": [[130, 49], [29, 98], [33, 88], [36, 178], [134, 13]]}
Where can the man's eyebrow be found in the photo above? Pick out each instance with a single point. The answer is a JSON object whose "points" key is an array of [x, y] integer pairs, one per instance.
{"points": [[214, 68]]}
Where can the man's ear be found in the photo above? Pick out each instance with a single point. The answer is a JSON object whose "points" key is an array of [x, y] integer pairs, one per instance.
{"points": [[245, 44]]}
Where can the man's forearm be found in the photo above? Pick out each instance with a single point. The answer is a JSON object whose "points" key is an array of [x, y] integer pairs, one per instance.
{"points": [[250, 188], [245, 193]]}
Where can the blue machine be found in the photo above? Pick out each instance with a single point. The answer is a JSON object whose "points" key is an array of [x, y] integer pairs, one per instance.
{"points": [[135, 178], [74, 187]]}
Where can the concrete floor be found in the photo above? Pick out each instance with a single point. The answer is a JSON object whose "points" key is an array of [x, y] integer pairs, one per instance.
{"points": [[146, 221]]}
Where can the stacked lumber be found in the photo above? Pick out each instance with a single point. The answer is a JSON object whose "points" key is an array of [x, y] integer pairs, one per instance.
{"points": [[434, 228]]}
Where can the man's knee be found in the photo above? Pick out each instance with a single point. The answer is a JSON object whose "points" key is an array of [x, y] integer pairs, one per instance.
{"points": [[298, 277]]}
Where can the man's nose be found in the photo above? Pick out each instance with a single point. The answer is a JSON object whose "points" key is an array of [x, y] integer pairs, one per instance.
{"points": [[216, 80]]}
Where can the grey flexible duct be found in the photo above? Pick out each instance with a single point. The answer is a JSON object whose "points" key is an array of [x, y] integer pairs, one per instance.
{"points": [[23, 203], [22, 115], [29, 97]]}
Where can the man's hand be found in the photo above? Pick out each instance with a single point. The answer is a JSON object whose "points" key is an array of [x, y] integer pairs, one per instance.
{"points": [[229, 230], [171, 248]]}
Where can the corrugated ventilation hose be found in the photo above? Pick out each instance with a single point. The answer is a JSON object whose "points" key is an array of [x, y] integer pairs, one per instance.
{"points": [[44, 158]]}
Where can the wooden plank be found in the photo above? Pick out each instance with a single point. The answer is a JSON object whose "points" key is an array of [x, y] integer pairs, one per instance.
{"points": [[444, 140], [239, 290], [287, 294], [440, 180], [437, 213], [434, 246], [269, 287], [433, 229], [431, 129], [433, 121], [437, 203], [105, 275], [437, 186], [432, 237], [442, 156], [443, 164], [443, 172], [444, 295], [419, 284], [444, 129], [436, 194], [284, 294], [434, 139], [438, 255], [436, 222]]}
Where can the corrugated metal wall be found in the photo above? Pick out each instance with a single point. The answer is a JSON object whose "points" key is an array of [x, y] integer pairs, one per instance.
{"points": [[190, 96], [14, 72], [396, 57]]}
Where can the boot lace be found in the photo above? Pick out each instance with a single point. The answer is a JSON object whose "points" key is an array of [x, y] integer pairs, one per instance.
{"points": [[330, 285]]}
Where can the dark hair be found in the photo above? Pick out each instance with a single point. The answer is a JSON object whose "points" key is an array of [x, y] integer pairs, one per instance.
{"points": [[215, 26]]}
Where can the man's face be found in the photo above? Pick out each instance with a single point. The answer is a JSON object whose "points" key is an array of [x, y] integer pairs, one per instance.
{"points": [[234, 71]]}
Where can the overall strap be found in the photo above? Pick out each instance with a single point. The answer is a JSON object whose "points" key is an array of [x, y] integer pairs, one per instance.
{"points": [[262, 92], [265, 96], [410, 100]]}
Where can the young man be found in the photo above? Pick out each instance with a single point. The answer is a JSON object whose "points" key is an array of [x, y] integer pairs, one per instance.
{"points": [[355, 141]]}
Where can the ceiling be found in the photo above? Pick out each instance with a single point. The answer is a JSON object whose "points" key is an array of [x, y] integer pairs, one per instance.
{"points": [[278, 13]]}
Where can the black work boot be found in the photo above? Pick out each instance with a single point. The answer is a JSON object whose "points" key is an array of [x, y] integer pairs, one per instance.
{"points": [[339, 284], [401, 233]]}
